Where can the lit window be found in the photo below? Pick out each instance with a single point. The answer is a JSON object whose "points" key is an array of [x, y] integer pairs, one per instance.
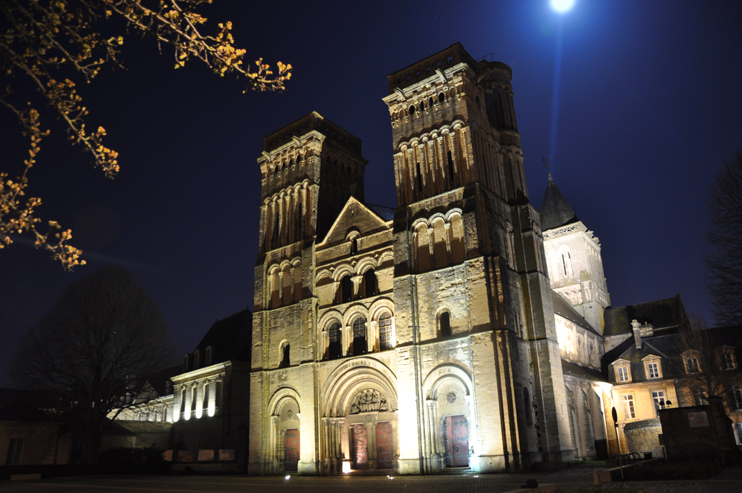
{"points": [[628, 407], [385, 331], [653, 370], [658, 396], [691, 365], [729, 363], [622, 373]]}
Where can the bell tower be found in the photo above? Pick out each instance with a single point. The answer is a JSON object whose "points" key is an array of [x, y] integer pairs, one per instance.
{"points": [[469, 255]]}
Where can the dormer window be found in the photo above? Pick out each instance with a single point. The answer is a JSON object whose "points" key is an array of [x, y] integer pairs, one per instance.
{"points": [[196, 359], [209, 355], [186, 362], [691, 365], [653, 367], [623, 372]]}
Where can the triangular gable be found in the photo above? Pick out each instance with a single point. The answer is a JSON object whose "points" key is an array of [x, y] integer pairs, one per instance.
{"points": [[354, 215]]}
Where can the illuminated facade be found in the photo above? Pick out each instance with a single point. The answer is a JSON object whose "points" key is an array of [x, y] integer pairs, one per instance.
{"points": [[462, 328], [411, 339]]}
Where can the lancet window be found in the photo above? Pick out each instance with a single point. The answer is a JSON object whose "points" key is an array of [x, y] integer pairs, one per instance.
{"points": [[385, 332], [359, 336]]}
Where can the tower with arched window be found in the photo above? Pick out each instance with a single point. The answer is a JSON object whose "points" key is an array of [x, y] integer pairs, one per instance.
{"points": [[574, 258], [406, 339]]}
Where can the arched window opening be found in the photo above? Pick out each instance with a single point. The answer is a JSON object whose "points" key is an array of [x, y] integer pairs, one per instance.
{"points": [[205, 404], [346, 286], [182, 400], [359, 336], [422, 248], [335, 349], [354, 246], [419, 178], [194, 390], [527, 406], [385, 332], [445, 324], [451, 172], [369, 279], [430, 102], [422, 107], [412, 109], [441, 97], [286, 360]]}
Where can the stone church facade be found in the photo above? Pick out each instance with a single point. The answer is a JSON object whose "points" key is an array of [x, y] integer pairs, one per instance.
{"points": [[417, 338], [461, 329]]}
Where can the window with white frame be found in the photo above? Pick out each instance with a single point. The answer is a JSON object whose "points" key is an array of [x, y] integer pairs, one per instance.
{"points": [[628, 406], [623, 373], [691, 365], [736, 397], [653, 369], [729, 361], [658, 397]]}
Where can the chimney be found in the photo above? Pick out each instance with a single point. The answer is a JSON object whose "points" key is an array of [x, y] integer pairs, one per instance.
{"points": [[637, 333]]}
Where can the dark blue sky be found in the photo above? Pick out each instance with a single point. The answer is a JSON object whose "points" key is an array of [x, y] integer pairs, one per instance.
{"points": [[650, 107]]}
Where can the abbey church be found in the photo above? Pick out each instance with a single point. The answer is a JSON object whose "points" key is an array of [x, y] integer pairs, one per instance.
{"points": [[425, 336], [461, 329]]}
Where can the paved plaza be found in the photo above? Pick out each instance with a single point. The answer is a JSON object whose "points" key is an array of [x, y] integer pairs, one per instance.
{"points": [[729, 480]]}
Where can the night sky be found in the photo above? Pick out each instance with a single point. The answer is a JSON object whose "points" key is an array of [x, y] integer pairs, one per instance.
{"points": [[649, 108]]}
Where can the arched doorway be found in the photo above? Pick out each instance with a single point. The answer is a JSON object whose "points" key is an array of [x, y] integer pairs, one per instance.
{"points": [[360, 417], [449, 440], [285, 436]]}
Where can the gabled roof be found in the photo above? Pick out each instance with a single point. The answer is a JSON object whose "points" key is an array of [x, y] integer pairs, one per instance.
{"points": [[555, 211], [575, 370], [386, 213], [362, 217], [667, 314], [230, 338], [564, 309]]}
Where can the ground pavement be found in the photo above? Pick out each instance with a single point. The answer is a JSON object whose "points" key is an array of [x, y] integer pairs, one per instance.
{"points": [[730, 480]]}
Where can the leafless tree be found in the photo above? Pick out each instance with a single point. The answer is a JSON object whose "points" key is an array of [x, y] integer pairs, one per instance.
{"points": [[701, 362], [725, 262], [100, 341]]}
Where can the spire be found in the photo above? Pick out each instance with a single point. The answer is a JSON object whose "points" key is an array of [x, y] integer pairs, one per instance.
{"points": [[555, 211]]}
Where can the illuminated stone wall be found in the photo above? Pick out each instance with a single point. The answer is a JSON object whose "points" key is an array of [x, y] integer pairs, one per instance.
{"points": [[420, 337]]}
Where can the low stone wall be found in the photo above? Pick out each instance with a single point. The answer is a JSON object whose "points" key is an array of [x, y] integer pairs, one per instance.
{"points": [[643, 436]]}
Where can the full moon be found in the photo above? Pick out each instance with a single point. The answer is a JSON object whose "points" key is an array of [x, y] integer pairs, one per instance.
{"points": [[562, 5]]}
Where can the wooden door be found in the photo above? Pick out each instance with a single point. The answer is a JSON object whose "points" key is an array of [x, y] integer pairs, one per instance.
{"points": [[360, 447], [456, 441], [291, 447], [384, 454]]}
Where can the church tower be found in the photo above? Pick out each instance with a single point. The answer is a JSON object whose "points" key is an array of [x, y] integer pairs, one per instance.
{"points": [[574, 261], [309, 170], [471, 288]]}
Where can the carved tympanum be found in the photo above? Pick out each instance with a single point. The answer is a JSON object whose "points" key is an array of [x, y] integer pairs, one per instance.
{"points": [[368, 401]]}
